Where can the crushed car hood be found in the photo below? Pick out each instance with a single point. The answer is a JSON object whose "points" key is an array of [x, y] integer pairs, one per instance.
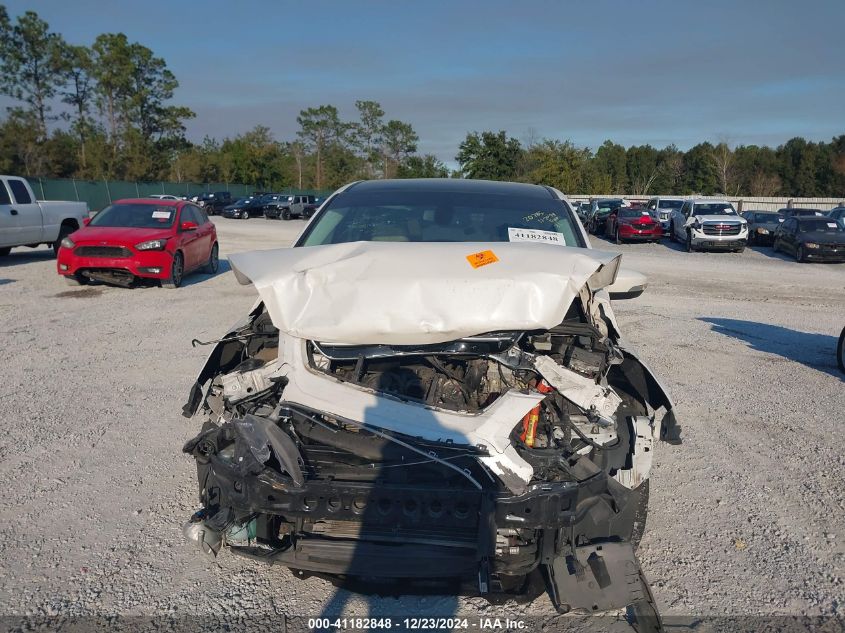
{"points": [[420, 293]]}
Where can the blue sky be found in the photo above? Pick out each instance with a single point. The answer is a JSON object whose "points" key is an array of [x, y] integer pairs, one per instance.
{"points": [[635, 72]]}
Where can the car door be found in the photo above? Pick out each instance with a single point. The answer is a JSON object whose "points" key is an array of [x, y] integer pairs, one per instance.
{"points": [[191, 240], [610, 225], [205, 231], [788, 235], [9, 218], [679, 217], [30, 221]]}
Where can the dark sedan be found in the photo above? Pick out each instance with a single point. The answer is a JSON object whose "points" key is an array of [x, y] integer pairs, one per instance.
{"points": [[800, 213], [244, 208], [600, 210], [817, 239], [762, 226]]}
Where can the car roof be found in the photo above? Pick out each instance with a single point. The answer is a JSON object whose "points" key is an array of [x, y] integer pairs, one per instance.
{"points": [[452, 185], [706, 201], [158, 202], [808, 218]]}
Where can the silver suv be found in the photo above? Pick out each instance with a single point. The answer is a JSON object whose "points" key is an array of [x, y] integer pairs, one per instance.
{"points": [[661, 208]]}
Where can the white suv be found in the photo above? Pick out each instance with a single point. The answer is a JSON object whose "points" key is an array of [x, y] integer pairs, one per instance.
{"points": [[712, 224]]}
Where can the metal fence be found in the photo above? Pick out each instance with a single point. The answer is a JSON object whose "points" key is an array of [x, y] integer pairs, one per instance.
{"points": [[100, 193], [742, 203]]}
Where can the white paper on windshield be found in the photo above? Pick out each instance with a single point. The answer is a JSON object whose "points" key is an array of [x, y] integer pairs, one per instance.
{"points": [[161, 215], [536, 235]]}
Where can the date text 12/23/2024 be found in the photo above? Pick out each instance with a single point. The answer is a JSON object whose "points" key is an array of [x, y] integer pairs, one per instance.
{"points": [[423, 623]]}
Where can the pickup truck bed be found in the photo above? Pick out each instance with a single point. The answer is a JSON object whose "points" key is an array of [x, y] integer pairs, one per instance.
{"points": [[25, 221]]}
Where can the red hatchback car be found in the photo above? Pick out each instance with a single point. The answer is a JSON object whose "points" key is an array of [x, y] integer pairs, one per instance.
{"points": [[633, 223], [140, 239]]}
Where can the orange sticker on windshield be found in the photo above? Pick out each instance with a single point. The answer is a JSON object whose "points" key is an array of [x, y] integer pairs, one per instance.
{"points": [[477, 260]]}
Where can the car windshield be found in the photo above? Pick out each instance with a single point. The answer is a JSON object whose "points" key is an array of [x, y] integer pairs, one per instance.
{"points": [[242, 200], [805, 212], [606, 206], [135, 216], [713, 209], [632, 213], [820, 225], [432, 216], [671, 204], [766, 218]]}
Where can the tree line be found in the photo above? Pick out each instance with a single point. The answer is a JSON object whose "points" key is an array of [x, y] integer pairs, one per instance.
{"points": [[106, 112], [797, 168]]}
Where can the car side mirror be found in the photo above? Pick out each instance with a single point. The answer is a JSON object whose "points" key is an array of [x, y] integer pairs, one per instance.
{"points": [[86, 221], [629, 284], [188, 226]]}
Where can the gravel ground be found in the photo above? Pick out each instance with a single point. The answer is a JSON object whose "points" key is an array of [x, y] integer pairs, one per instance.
{"points": [[746, 516]]}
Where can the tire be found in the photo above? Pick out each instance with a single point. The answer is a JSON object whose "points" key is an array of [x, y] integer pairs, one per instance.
{"points": [[618, 241], [840, 351], [690, 247], [740, 249], [63, 233], [177, 272], [75, 280], [286, 214], [672, 237], [775, 246], [5, 251], [799, 255], [213, 261]]}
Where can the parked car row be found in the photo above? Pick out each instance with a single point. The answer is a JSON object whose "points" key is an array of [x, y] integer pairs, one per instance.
{"points": [[807, 234], [270, 205]]}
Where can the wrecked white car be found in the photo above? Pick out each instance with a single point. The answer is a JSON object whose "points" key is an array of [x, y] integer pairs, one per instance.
{"points": [[432, 387]]}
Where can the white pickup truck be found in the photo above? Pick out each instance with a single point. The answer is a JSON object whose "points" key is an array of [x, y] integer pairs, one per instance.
{"points": [[25, 221]]}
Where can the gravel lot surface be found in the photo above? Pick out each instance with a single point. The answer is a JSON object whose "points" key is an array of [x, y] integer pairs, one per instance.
{"points": [[746, 516]]}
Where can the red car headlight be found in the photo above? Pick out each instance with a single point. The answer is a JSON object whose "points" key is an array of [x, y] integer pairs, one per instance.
{"points": [[152, 245]]}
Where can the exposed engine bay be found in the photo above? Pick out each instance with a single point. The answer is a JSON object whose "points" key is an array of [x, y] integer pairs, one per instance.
{"points": [[510, 460]]}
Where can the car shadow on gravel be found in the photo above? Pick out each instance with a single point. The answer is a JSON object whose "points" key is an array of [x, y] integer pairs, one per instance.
{"points": [[817, 351], [27, 256], [769, 251], [200, 277]]}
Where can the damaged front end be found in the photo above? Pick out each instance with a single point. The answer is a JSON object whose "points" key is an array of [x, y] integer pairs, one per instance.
{"points": [[493, 459]]}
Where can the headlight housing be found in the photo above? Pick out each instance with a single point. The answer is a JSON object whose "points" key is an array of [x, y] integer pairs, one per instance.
{"points": [[67, 243], [152, 245], [811, 245], [763, 231]]}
